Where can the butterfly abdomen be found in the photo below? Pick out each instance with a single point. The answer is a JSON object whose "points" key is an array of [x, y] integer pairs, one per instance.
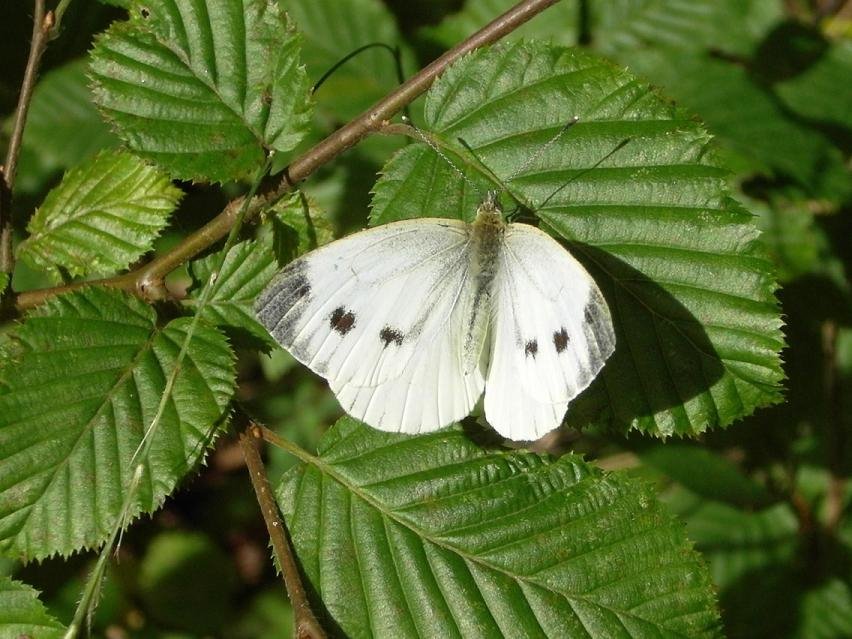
{"points": [[486, 239]]}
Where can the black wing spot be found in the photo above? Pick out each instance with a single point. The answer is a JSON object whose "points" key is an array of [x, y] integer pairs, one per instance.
{"points": [[342, 320], [531, 348], [391, 336], [560, 340]]}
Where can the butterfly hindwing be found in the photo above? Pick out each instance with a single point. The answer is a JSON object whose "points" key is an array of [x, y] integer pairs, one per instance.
{"points": [[380, 314], [550, 335], [435, 389]]}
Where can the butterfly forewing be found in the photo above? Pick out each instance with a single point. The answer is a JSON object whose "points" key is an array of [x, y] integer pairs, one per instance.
{"points": [[551, 333], [381, 315]]}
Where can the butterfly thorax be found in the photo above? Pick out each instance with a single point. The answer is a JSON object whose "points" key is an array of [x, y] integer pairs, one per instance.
{"points": [[486, 238], [487, 235]]}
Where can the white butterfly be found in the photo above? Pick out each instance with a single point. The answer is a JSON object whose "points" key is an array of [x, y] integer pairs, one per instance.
{"points": [[409, 322]]}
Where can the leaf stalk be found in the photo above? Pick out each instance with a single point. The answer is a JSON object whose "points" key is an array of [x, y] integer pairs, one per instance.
{"points": [[306, 624]]}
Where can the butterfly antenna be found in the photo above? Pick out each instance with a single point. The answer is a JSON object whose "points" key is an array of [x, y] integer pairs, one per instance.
{"points": [[618, 147], [543, 149], [431, 143], [527, 164]]}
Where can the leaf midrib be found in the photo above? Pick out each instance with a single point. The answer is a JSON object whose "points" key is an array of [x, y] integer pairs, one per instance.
{"points": [[328, 470], [181, 55], [144, 348]]}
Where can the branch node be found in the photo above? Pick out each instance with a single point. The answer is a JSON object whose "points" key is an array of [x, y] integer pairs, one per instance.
{"points": [[152, 289]]}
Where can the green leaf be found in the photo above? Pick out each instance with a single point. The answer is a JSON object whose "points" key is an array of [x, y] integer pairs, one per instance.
{"points": [[245, 272], [267, 614], [23, 615], [822, 91], [758, 128], [434, 536], [249, 267], [796, 242], [632, 191], [83, 378], [102, 217], [332, 29], [298, 226], [559, 24], [792, 237], [765, 560], [736, 542], [826, 611], [705, 473], [733, 26], [63, 127], [207, 89]]}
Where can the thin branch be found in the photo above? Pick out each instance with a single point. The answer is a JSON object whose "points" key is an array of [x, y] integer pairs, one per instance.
{"points": [[43, 24], [307, 626], [146, 281], [835, 440]]}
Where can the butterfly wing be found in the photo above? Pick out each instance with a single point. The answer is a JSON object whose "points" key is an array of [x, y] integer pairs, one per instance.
{"points": [[551, 334], [433, 391], [381, 315]]}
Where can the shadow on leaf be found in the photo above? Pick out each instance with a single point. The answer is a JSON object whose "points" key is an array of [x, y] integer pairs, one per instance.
{"points": [[658, 378]]}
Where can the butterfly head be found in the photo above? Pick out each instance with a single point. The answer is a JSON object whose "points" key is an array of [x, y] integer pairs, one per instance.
{"points": [[491, 210], [489, 218], [491, 203]]}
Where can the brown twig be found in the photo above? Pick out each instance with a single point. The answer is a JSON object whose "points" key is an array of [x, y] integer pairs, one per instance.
{"points": [[43, 24], [835, 440], [146, 281], [306, 624]]}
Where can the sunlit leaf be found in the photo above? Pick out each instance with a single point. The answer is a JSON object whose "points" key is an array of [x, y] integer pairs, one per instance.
{"points": [[433, 536], [23, 615], [102, 217], [206, 89], [81, 382]]}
